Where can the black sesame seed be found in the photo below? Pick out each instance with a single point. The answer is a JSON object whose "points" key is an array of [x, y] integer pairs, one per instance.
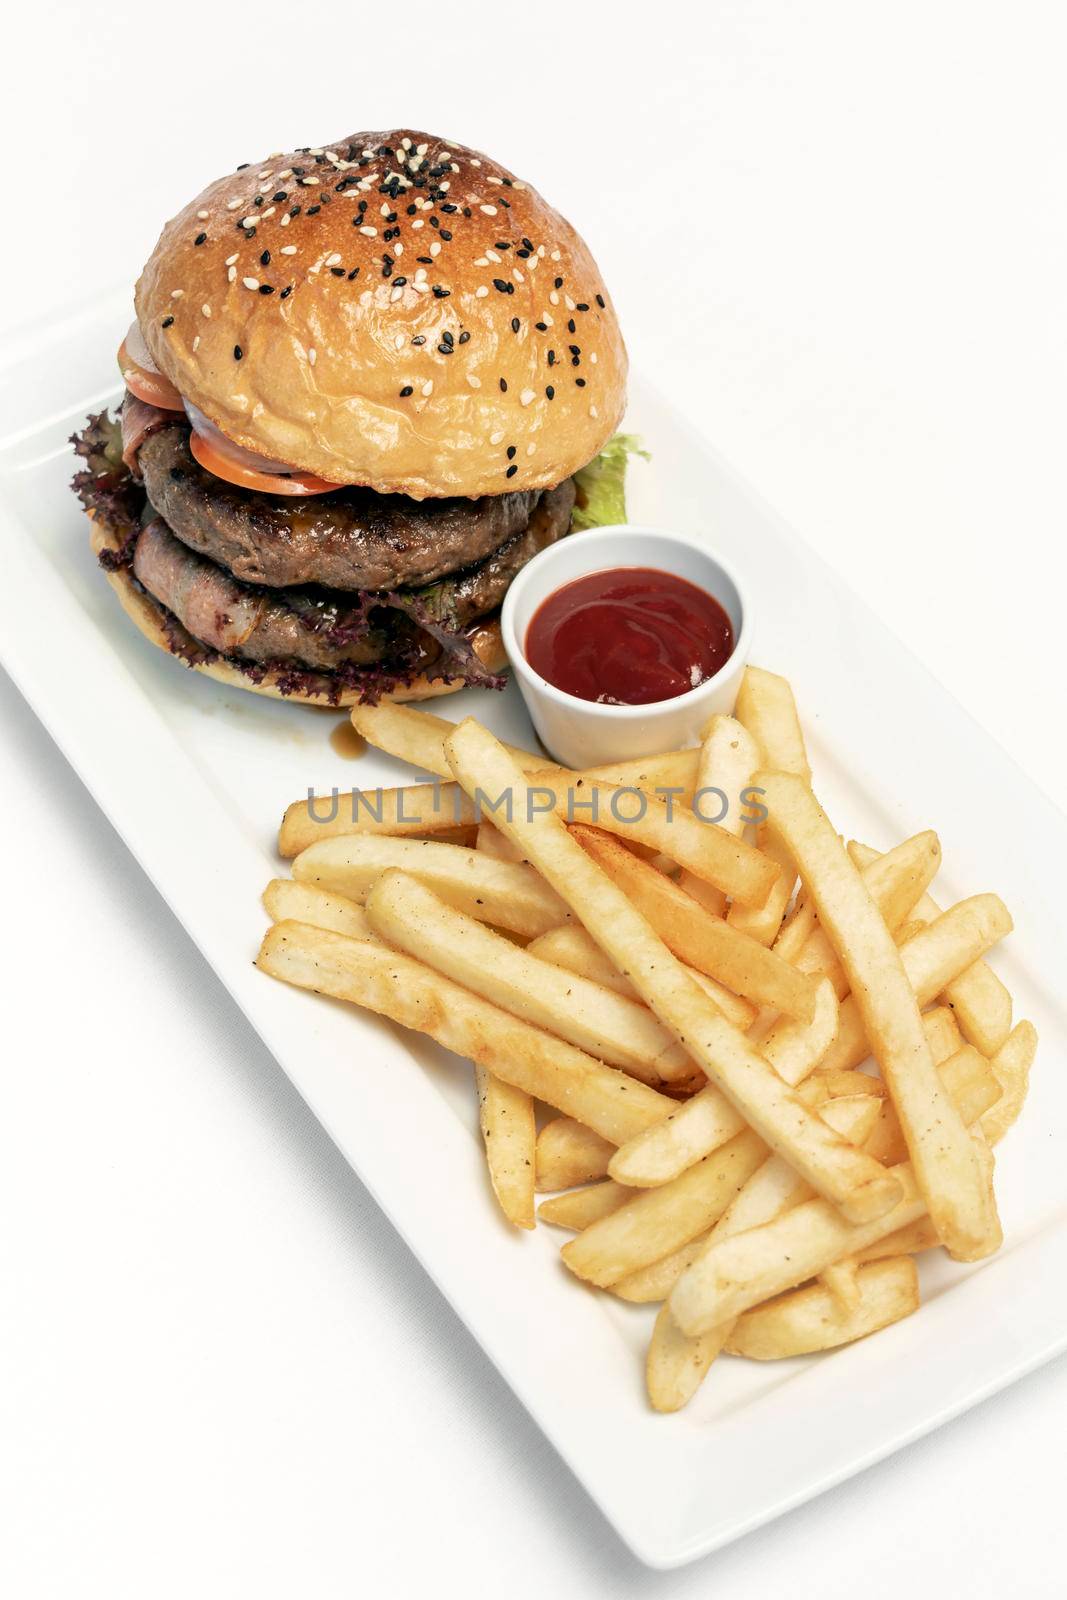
{"points": [[286, 293], [420, 338], [511, 452], [550, 392], [502, 244], [167, 321], [551, 358], [200, 238], [542, 327], [266, 288], [237, 352], [464, 338], [313, 210], [523, 255], [570, 326], [279, 197], [405, 391], [581, 306], [510, 473], [440, 293], [243, 165], [515, 324], [503, 386], [579, 383], [353, 274], [294, 211], [600, 301], [337, 272], [264, 259], [445, 234], [558, 282], [258, 201], [398, 283], [501, 284]]}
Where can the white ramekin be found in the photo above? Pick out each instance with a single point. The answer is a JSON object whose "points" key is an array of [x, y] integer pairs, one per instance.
{"points": [[582, 733]]}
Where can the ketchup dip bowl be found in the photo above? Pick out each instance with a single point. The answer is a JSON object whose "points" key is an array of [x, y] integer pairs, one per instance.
{"points": [[584, 733]]}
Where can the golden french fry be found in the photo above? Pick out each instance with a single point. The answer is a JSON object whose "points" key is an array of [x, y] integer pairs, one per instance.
{"points": [[811, 1319], [509, 1133], [967, 1078], [982, 1004], [842, 1280], [698, 938], [709, 1118], [418, 737], [571, 947], [505, 893], [943, 1032], [728, 757], [288, 901], [395, 986], [942, 1151], [580, 1208], [420, 808], [948, 945], [657, 1221], [409, 916], [1011, 1068], [676, 1366], [569, 1153], [855, 1182], [909, 1241], [766, 707]]}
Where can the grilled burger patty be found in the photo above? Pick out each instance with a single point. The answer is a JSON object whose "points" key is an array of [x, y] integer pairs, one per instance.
{"points": [[352, 539], [311, 625]]}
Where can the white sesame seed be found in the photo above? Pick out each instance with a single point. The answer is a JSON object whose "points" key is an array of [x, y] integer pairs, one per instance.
{"points": [[394, 294], [481, 292], [287, 250], [553, 298], [398, 249], [474, 382], [333, 260], [263, 215], [418, 223], [445, 184], [288, 173], [530, 448], [231, 273], [569, 303], [420, 274], [203, 215], [248, 222], [421, 285], [547, 319], [496, 438], [176, 294], [554, 256], [398, 342], [475, 162], [495, 180], [517, 275], [309, 183], [492, 255], [231, 259], [481, 261], [286, 219], [592, 357], [427, 388], [265, 187], [593, 412], [435, 248], [196, 343], [405, 144], [421, 149], [311, 356], [205, 309], [232, 205], [526, 396], [540, 250], [489, 211], [371, 233], [250, 283]]}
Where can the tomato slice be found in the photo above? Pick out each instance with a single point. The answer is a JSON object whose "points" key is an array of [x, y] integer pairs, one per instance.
{"points": [[151, 387], [214, 459]]}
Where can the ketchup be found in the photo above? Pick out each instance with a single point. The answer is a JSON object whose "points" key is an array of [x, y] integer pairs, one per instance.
{"points": [[628, 636]]}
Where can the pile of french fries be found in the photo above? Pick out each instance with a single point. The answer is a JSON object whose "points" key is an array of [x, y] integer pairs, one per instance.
{"points": [[774, 1069]]}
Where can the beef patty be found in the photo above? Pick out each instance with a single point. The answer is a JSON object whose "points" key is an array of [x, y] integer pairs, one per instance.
{"points": [[351, 539], [326, 629]]}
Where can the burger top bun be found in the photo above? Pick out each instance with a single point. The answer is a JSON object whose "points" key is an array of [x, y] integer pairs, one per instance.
{"points": [[393, 310]]}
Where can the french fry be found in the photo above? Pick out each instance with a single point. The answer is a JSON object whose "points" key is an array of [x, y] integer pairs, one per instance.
{"points": [[728, 757], [709, 1119], [1011, 1068], [506, 1115], [658, 1221], [571, 947], [569, 1153], [676, 1365], [421, 808], [811, 1319], [855, 1182], [678, 1362], [943, 1032], [418, 737], [395, 986], [766, 707], [410, 917], [967, 1078], [946, 946], [698, 938], [493, 843], [982, 1004], [702, 848], [505, 893], [843, 1282], [909, 1241], [286, 900], [942, 1151], [582, 1207]]}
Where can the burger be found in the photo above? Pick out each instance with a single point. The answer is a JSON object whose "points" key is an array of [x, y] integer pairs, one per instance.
{"points": [[365, 384]]}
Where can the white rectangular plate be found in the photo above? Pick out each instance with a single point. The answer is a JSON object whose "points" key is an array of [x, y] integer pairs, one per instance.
{"points": [[195, 777]]}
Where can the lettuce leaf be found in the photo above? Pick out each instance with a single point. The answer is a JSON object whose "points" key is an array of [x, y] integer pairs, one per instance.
{"points": [[602, 484]]}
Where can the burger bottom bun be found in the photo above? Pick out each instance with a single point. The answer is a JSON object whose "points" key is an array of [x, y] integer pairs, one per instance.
{"points": [[148, 615]]}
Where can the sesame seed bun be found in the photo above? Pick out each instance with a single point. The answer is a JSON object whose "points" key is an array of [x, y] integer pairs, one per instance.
{"points": [[148, 615], [400, 312]]}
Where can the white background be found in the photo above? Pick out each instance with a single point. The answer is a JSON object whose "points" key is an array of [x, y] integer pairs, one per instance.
{"points": [[836, 235]]}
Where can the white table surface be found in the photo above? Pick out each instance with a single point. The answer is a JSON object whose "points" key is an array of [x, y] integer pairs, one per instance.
{"points": [[836, 234]]}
